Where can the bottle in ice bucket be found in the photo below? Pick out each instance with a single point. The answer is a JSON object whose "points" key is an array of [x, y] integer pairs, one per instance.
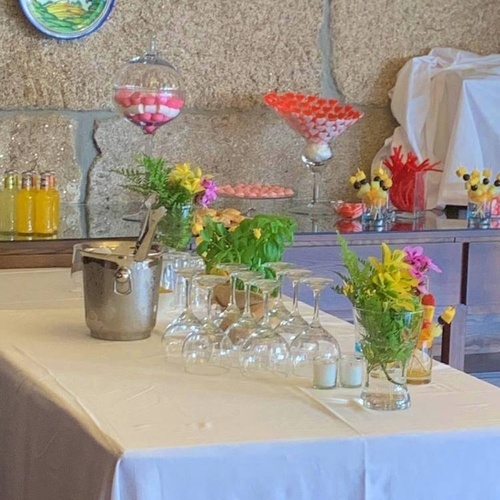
{"points": [[8, 202], [44, 207], [25, 205]]}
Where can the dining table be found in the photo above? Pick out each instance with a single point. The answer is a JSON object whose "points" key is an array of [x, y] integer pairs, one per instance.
{"points": [[84, 419]]}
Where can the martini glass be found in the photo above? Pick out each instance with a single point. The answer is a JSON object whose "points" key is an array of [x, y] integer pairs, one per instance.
{"points": [[318, 121], [265, 353], [314, 344], [290, 327], [207, 351]]}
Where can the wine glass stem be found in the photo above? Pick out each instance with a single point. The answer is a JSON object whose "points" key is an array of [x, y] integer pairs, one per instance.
{"points": [[295, 303], [266, 320], [315, 319], [248, 289], [209, 303], [280, 289], [187, 291], [232, 297]]}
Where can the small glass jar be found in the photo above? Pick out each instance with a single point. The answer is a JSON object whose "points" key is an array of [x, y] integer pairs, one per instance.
{"points": [[325, 372], [351, 369]]}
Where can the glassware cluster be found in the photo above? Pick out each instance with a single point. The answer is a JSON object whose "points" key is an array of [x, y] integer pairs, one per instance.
{"points": [[279, 343]]}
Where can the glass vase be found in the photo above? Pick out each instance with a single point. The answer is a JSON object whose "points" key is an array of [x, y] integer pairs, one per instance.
{"points": [[420, 366], [174, 230], [387, 339], [479, 213], [374, 215], [408, 194]]}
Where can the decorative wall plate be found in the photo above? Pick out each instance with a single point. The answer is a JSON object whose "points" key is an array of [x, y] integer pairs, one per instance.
{"points": [[67, 19]]}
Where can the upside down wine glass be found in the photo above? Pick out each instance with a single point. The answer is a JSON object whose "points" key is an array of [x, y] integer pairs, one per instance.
{"points": [[290, 327], [207, 351], [265, 353], [315, 348], [187, 322], [318, 121], [279, 312], [232, 312], [240, 330]]}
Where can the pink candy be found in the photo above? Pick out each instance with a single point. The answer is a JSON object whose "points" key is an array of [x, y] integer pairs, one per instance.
{"points": [[148, 110], [255, 191]]}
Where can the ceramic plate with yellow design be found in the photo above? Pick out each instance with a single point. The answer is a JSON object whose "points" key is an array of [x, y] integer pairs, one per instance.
{"points": [[67, 19]]}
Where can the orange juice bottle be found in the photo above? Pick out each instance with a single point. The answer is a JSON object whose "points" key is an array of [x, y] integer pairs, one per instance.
{"points": [[55, 200], [44, 207], [25, 205], [8, 203]]}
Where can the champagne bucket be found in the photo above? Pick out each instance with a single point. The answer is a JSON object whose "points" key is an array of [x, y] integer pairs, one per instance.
{"points": [[120, 293]]}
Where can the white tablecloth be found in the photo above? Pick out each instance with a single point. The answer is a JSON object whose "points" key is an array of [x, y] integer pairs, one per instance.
{"points": [[87, 419], [447, 104]]}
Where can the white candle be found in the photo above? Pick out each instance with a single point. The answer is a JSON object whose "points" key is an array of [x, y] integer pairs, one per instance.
{"points": [[351, 371], [324, 373]]}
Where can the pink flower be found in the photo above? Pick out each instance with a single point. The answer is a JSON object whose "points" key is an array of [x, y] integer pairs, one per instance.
{"points": [[209, 194], [420, 266]]}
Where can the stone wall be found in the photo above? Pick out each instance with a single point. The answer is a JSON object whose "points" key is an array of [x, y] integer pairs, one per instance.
{"points": [[56, 112]]}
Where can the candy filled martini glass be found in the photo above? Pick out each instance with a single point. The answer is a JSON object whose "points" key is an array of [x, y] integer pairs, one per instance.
{"points": [[148, 93], [319, 121]]}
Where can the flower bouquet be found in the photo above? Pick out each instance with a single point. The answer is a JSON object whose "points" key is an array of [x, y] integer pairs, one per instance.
{"points": [[181, 188], [388, 313]]}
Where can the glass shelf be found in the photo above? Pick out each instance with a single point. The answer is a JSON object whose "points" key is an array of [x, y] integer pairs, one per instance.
{"points": [[101, 221]]}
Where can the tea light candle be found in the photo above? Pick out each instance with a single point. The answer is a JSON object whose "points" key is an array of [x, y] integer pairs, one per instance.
{"points": [[324, 373], [351, 371]]}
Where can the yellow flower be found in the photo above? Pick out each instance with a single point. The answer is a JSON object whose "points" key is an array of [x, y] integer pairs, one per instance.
{"points": [[257, 233], [392, 275], [196, 228]]}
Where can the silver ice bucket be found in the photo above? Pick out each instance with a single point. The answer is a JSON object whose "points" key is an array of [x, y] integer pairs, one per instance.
{"points": [[120, 294]]}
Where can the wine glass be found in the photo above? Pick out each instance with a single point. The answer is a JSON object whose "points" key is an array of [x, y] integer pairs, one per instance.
{"points": [[239, 331], [318, 121], [315, 350], [290, 327], [207, 351], [232, 312], [187, 322], [148, 92], [264, 353], [279, 312]]}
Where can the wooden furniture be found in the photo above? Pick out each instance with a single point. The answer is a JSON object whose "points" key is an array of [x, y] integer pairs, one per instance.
{"points": [[469, 258]]}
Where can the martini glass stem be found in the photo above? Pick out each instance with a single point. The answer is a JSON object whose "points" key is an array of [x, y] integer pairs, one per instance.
{"points": [[316, 183]]}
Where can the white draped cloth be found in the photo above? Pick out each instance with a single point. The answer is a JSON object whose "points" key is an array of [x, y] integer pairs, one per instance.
{"points": [[447, 104]]}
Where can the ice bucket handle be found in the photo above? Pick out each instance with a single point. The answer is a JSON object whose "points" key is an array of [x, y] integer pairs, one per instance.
{"points": [[123, 282]]}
